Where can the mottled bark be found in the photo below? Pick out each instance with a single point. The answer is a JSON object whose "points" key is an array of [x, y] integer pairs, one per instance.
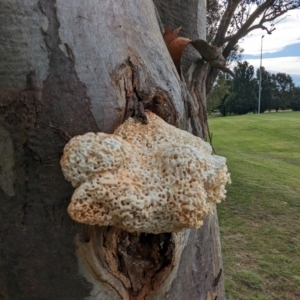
{"points": [[193, 22], [66, 68], [195, 71]]}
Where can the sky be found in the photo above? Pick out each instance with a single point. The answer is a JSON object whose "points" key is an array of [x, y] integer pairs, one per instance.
{"points": [[280, 50]]}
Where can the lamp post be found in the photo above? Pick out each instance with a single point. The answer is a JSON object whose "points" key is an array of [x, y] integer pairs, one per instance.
{"points": [[259, 89]]}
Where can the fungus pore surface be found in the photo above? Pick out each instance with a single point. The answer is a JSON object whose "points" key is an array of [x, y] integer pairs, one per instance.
{"points": [[151, 178]]}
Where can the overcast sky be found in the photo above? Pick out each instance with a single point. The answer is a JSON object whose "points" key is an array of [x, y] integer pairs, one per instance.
{"points": [[281, 49]]}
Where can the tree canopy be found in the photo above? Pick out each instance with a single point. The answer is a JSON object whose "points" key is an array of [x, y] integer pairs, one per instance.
{"points": [[230, 20], [240, 94]]}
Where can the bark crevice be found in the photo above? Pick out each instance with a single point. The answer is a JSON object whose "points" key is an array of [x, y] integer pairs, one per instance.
{"points": [[135, 265], [139, 96]]}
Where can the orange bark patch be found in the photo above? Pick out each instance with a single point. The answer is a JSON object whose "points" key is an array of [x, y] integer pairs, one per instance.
{"points": [[175, 45]]}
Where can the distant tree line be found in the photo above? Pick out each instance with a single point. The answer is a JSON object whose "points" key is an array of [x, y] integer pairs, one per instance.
{"points": [[239, 95]]}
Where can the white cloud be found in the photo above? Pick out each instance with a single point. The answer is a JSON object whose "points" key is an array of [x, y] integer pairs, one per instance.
{"points": [[289, 65], [287, 32]]}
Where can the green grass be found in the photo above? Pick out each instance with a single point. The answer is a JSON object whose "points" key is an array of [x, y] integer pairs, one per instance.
{"points": [[260, 219]]}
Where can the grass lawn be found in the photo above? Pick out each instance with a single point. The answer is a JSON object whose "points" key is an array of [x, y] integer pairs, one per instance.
{"points": [[260, 219]]}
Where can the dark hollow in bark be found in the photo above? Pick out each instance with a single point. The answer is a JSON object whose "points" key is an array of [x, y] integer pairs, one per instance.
{"points": [[134, 265]]}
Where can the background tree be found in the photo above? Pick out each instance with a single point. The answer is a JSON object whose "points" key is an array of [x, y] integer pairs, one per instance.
{"points": [[282, 91], [242, 97], [266, 89], [219, 91], [237, 18], [295, 101]]}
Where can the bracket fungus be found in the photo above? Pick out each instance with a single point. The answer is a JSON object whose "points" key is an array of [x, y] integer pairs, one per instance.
{"points": [[150, 178]]}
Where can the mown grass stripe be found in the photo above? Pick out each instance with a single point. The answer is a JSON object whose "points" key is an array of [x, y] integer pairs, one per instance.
{"points": [[260, 220]]}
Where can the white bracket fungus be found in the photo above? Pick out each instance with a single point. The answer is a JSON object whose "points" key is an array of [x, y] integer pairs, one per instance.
{"points": [[149, 178]]}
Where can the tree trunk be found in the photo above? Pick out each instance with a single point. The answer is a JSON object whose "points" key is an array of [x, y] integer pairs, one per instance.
{"points": [[67, 68]]}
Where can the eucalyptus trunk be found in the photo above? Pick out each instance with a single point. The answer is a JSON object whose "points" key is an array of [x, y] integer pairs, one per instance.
{"points": [[67, 68]]}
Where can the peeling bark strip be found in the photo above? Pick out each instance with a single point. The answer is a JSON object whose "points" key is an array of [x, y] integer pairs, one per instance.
{"points": [[212, 54]]}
